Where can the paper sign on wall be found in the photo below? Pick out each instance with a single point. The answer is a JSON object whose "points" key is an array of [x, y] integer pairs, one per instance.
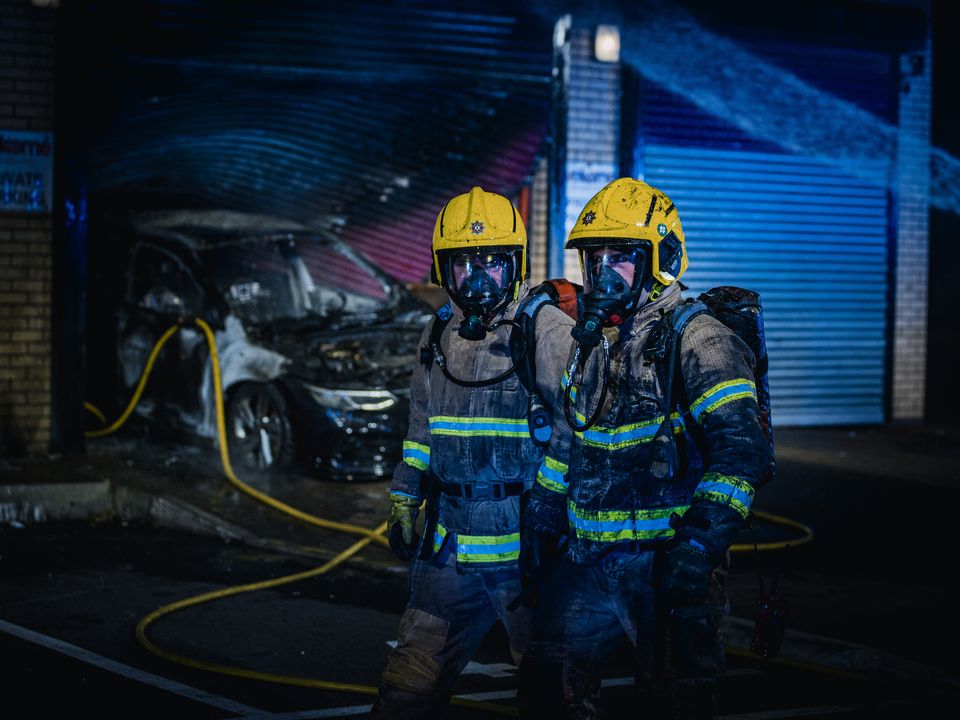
{"points": [[26, 171]]}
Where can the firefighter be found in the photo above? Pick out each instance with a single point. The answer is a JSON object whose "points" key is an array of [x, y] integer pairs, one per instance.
{"points": [[470, 452], [654, 493]]}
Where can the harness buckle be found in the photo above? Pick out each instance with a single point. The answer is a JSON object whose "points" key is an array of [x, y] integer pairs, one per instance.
{"points": [[493, 491]]}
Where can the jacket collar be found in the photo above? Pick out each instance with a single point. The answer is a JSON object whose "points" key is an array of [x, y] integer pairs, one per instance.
{"points": [[669, 299]]}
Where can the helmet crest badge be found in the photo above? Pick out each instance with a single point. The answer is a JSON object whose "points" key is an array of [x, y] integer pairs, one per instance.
{"points": [[589, 217], [476, 227], [662, 229]]}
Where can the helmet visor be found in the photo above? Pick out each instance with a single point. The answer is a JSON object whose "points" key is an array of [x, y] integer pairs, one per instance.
{"points": [[481, 277], [614, 271]]}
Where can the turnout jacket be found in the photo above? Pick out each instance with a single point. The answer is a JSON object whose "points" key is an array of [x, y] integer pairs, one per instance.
{"points": [[606, 493], [478, 439]]}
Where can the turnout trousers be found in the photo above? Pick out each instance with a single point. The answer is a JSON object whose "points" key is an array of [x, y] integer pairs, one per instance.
{"points": [[585, 615], [445, 620]]}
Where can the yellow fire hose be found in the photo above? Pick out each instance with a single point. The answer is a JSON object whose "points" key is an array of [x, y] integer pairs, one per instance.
{"points": [[221, 424], [805, 536], [368, 536]]}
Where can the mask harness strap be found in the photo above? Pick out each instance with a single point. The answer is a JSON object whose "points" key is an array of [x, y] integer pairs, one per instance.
{"points": [[576, 370]]}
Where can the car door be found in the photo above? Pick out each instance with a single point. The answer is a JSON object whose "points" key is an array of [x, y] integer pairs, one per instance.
{"points": [[163, 291]]}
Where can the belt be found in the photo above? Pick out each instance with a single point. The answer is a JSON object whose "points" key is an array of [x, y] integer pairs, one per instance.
{"points": [[482, 491]]}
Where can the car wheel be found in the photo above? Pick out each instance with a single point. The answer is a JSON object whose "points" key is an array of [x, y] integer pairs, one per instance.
{"points": [[259, 433]]}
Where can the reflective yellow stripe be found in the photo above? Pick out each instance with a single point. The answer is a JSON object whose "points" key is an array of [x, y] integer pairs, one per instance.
{"points": [[560, 467], [627, 435], [416, 455], [552, 475], [615, 525], [473, 549], [721, 394], [728, 490], [479, 427]]}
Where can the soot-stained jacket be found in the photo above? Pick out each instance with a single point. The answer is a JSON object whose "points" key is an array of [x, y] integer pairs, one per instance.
{"points": [[607, 494], [480, 437]]}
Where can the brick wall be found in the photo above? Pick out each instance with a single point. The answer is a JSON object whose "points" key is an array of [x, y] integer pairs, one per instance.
{"points": [[26, 104], [593, 131], [912, 241]]}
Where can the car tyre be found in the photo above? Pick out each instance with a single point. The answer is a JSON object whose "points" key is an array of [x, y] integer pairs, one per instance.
{"points": [[259, 432]]}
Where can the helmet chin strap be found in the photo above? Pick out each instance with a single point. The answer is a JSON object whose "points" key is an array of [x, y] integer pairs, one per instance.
{"points": [[655, 292], [652, 289]]}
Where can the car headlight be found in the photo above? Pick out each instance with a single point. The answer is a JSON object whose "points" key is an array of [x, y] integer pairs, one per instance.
{"points": [[352, 399]]}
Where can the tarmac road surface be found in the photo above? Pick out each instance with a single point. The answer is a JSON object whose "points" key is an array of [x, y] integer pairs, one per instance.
{"points": [[870, 632]]}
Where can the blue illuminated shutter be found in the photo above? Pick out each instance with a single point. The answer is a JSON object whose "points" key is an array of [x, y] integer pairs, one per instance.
{"points": [[810, 238]]}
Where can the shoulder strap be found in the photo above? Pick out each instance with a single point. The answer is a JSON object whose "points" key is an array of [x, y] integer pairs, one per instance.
{"points": [[532, 304], [662, 347], [526, 317], [668, 330], [564, 294], [438, 324], [682, 315], [524, 350]]}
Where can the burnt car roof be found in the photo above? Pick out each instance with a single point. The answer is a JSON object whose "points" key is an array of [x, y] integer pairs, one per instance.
{"points": [[206, 229], [199, 231]]}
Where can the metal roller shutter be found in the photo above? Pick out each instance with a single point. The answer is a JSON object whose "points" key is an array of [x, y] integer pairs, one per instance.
{"points": [[810, 238]]}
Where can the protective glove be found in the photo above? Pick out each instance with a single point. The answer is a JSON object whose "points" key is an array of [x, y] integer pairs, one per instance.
{"points": [[403, 538], [683, 573]]}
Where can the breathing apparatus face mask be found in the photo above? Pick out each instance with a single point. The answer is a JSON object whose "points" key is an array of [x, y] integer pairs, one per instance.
{"points": [[614, 280], [479, 283]]}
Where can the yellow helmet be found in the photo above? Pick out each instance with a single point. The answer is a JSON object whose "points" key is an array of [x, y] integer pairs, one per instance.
{"points": [[479, 256], [478, 221], [629, 212]]}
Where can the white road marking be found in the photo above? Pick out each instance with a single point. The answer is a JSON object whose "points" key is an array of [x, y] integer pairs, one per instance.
{"points": [[348, 710], [92, 658], [344, 711], [494, 670], [790, 713]]}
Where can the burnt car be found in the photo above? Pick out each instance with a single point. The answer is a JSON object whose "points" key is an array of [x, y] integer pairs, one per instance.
{"points": [[316, 344]]}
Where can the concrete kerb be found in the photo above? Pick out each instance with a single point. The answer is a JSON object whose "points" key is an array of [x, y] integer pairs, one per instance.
{"points": [[98, 500], [45, 502], [32, 503]]}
